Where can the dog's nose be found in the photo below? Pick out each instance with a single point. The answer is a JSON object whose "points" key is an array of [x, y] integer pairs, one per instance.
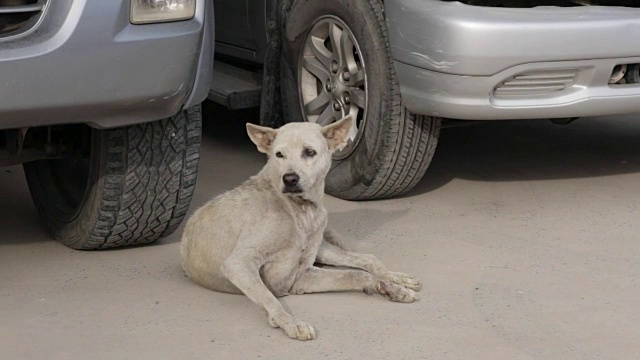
{"points": [[290, 179]]}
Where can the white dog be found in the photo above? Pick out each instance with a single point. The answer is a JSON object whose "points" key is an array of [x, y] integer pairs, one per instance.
{"points": [[263, 237]]}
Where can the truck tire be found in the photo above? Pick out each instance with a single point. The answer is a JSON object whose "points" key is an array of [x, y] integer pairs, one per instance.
{"points": [[134, 185], [337, 62]]}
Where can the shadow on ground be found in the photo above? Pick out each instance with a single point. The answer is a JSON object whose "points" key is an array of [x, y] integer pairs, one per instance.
{"points": [[535, 150], [487, 152], [227, 128], [494, 151], [19, 219]]}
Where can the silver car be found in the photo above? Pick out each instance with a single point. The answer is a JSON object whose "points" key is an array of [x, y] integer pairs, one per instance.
{"points": [[100, 102], [404, 68], [483, 63]]}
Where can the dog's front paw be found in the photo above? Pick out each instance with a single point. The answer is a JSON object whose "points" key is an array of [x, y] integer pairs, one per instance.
{"points": [[299, 330], [406, 280], [396, 292], [294, 328]]}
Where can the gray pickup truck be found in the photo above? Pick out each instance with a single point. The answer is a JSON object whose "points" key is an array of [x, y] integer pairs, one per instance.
{"points": [[403, 68], [101, 102]]}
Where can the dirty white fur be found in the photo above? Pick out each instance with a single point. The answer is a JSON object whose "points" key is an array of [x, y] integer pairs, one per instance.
{"points": [[263, 237]]}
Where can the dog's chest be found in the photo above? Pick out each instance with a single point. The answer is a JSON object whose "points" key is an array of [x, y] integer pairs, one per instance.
{"points": [[280, 272], [309, 225], [309, 220]]}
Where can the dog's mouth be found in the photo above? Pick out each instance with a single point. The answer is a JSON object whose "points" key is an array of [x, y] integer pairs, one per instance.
{"points": [[292, 190]]}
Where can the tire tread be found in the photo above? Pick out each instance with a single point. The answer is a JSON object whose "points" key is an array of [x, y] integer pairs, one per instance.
{"points": [[150, 178], [411, 140]]}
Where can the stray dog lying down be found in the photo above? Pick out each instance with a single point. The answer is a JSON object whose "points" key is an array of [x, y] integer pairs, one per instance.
{"points": [[263, 238]]}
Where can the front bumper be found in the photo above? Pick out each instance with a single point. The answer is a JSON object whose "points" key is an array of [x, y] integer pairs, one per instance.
{"points": [[481, 63], [85, 63]]}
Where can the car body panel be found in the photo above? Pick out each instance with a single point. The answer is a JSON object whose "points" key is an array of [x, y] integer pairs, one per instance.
{"points": [[455, 60], [454, 38], [241, 29], [87, 64], [204, 73], [458, 61]]}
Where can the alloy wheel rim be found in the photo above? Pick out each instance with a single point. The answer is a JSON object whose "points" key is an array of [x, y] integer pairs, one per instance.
{"points": [[332, 79]]}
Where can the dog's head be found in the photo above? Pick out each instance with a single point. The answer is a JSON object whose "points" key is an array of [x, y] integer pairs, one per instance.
{"points": [[300, 153]]}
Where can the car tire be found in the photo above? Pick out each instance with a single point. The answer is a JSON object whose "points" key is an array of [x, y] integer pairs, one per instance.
{"points": [[134, 185], [392, 148]]}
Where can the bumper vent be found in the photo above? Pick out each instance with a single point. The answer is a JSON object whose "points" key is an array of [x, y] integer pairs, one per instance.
{"points": [[19, 16], [537, 83]]}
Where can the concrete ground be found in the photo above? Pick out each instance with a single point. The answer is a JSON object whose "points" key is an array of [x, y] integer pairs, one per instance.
{"points": [[525, 235]]}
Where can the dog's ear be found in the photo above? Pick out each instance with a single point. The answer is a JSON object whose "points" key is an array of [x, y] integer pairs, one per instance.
{"points": [[261, 136], [337, 134]]}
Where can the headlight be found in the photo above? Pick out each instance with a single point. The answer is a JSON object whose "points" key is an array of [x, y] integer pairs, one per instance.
{"points": [[150, 11]]}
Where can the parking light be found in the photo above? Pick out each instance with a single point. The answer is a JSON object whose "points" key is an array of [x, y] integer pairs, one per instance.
{"points": [[154, 11]]}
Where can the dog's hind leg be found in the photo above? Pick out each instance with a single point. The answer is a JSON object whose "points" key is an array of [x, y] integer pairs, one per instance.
{"points": [[316, 280], [330, 254], [244, 273], [334, 239]]}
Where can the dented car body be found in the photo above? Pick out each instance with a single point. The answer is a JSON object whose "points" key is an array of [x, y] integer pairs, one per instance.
{"points": [[485, 60]]}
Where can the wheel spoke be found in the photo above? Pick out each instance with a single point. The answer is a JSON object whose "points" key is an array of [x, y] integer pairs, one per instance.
{"points": [[327, 117], [320, 51], [353, 111], [317, 105], [358, 78], [346, 49], [314, 66], [335, 35], [358, 98]]}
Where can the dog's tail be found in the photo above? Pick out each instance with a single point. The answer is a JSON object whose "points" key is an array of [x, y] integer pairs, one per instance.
{"points": [[334, 239]]}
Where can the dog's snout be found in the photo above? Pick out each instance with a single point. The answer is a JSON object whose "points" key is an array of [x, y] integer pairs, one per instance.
{"points": [[290, 179]]}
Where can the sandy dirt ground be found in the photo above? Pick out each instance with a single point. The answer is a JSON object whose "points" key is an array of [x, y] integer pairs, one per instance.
{"points": [[525, 235]]}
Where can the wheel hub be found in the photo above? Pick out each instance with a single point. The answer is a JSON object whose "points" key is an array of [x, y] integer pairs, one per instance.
{"points": [[338, 90]]}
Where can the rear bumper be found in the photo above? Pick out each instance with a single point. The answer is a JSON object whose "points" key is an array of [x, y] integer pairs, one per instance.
{"points": [[86, 63], [469, 62]]}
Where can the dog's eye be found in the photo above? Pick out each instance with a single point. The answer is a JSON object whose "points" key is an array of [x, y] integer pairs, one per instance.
{"points": [[279, 154], [309, 152]]}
